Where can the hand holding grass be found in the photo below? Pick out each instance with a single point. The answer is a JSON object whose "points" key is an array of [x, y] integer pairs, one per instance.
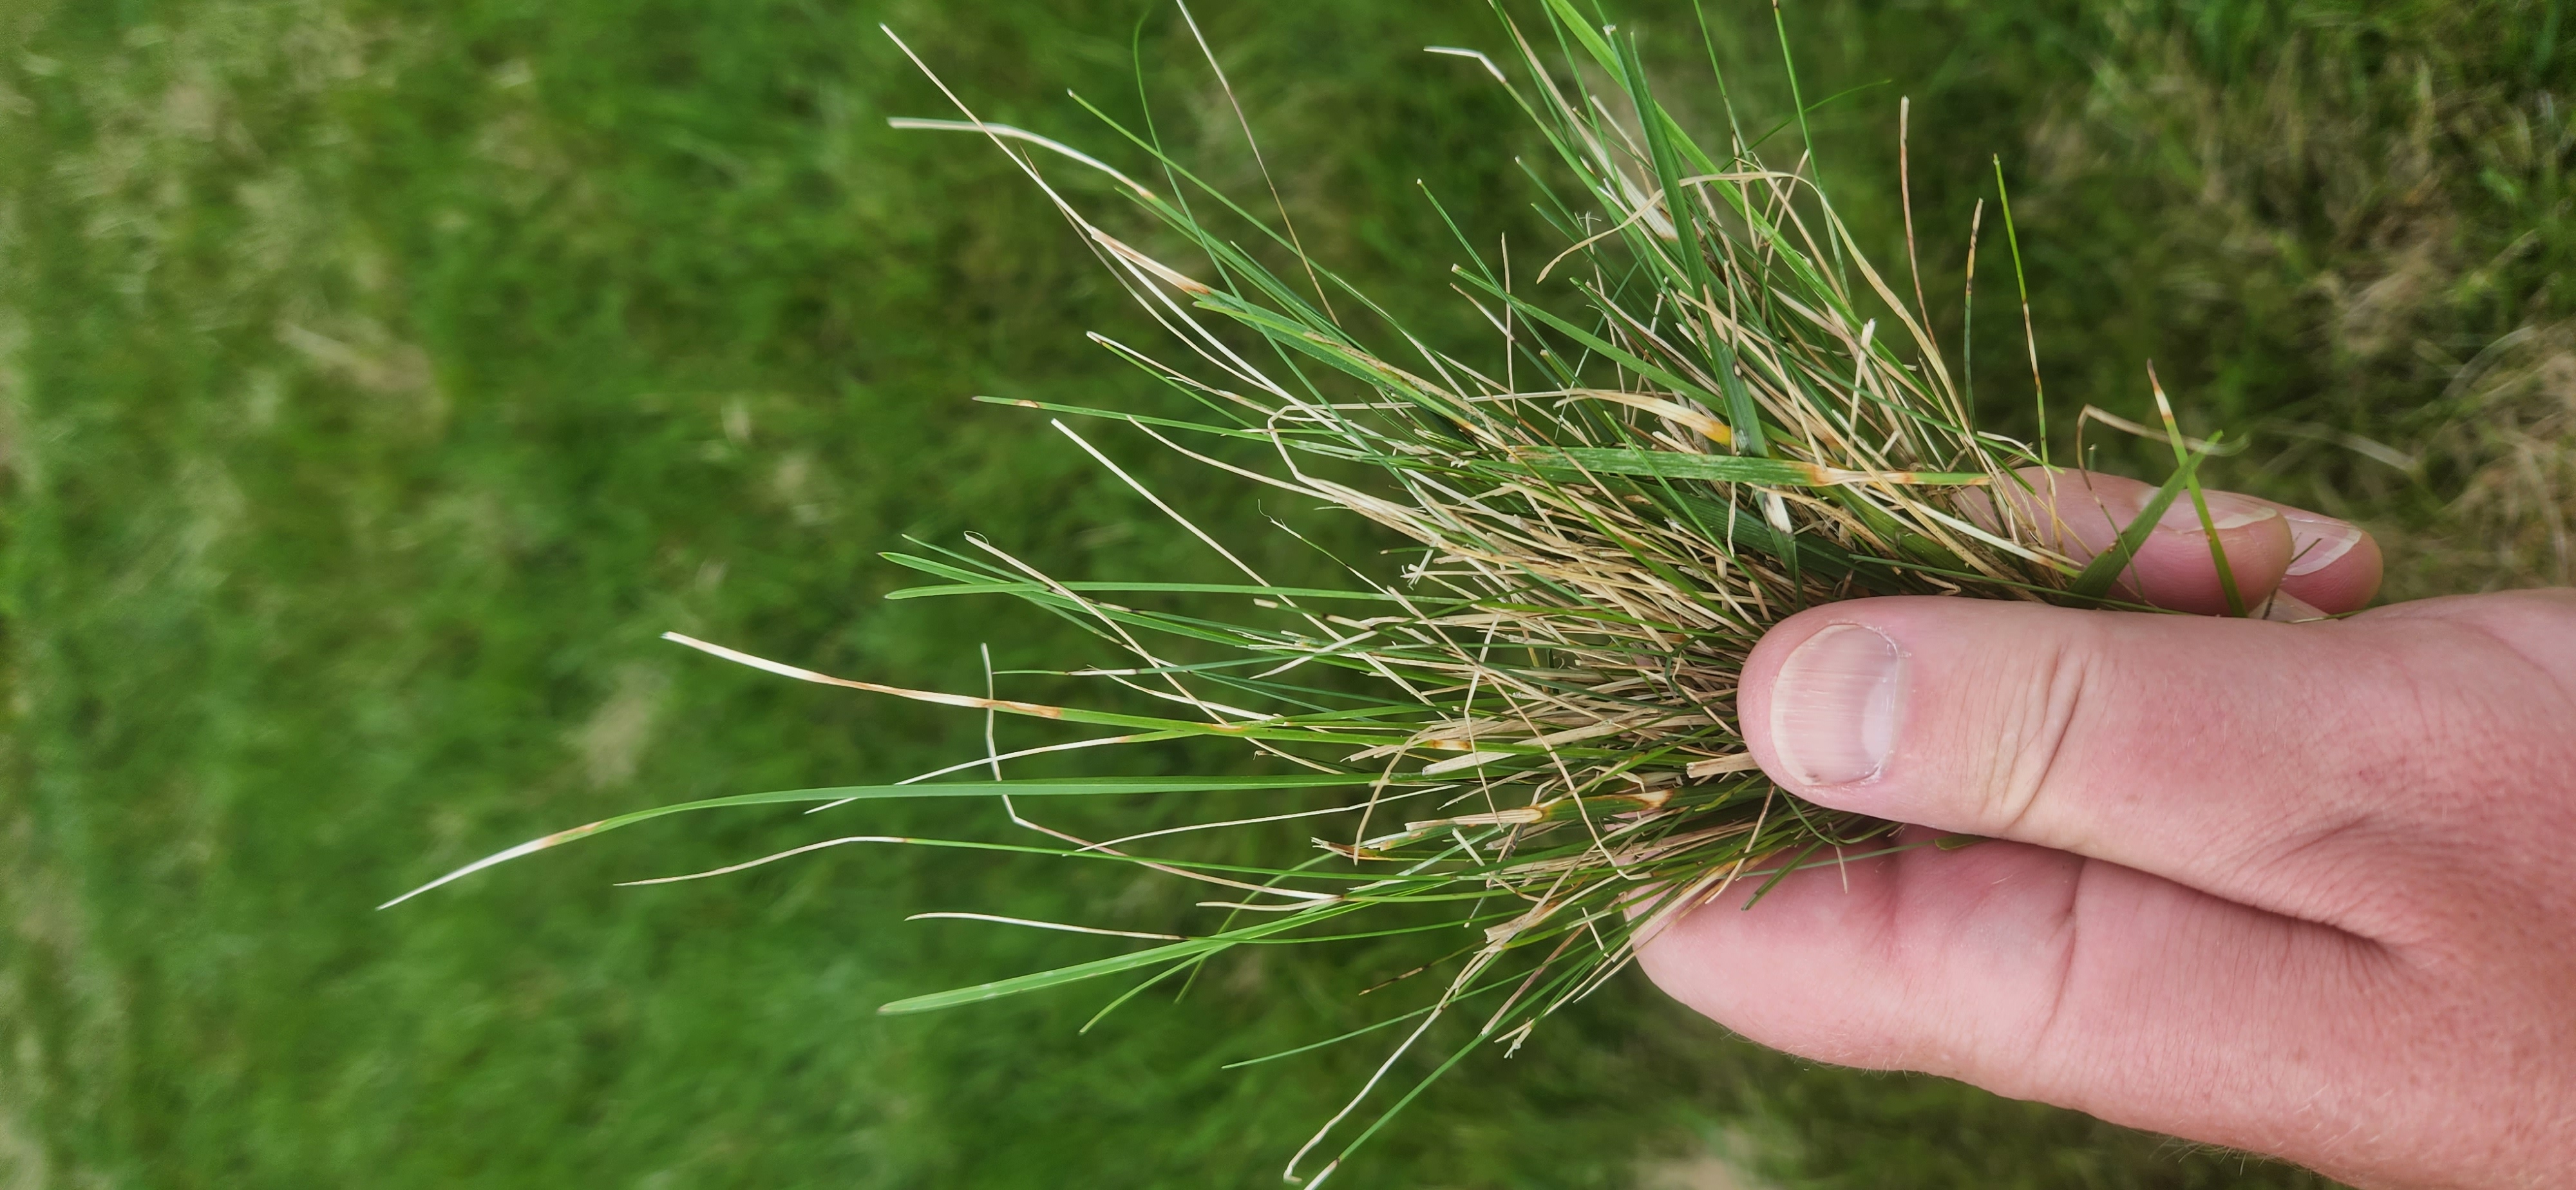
{"points": [[2294, 888], [1521, 732]]}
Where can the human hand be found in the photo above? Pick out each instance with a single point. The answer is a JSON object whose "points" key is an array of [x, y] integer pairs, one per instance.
{"points": [[2306, 889]]}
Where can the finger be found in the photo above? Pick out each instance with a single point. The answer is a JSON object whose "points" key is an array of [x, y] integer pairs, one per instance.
{"points": [[2243, 758], [2041, 975], [2081, 514], [2334, 565]]}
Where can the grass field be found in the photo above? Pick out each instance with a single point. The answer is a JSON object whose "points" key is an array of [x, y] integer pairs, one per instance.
{"points": [[378, 378]]}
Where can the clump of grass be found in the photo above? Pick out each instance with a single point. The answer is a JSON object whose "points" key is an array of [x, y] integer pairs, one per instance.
{"points": [[2513, 434], [1707, 412]]}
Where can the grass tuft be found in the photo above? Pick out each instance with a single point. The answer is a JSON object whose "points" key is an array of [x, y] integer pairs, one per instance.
{"points": [[1706, 412]]}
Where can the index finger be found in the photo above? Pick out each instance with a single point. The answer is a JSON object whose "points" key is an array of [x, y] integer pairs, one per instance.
{"points": [[2320, 563]]}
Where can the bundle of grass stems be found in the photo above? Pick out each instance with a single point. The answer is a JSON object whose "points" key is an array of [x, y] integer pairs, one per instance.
{"points": [[1708, 412]]}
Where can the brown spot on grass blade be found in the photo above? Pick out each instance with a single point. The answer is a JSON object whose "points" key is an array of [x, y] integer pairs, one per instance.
{"points": [[1167, 274], [1518, 816], [1469, 761], [1578, 462], [1046, 925], [1007, 132], [801, 674], [531, 847], [1741, 762], [1707, 426], [747, 865]]}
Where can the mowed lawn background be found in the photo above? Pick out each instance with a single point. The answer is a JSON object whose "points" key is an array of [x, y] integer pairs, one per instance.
{"points": [[380, 378]]}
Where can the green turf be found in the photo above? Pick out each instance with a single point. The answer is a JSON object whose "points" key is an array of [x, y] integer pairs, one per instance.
{"points": [[381, 377]]}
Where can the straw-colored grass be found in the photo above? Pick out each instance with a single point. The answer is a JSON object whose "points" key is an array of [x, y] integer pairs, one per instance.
{"points": [[1710, 410]]}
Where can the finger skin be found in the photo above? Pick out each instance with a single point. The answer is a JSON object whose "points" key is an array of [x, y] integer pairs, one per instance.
{"points": [[2253, 760], [2362, 967], [2040, 975], [2082, 513], [2020, 969]]}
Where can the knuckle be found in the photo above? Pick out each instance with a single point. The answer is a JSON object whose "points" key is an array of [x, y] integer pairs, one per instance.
{"points": [[2033, 733]]}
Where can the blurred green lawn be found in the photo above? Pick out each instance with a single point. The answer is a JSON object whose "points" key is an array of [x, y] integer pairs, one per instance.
{"points": [[381, 377]]}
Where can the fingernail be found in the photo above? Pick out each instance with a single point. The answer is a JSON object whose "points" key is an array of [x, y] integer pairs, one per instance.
{"points": [[2316, 542], [2227, 510], [1834, 707]]}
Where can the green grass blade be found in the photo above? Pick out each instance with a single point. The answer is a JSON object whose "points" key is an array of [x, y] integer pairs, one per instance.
{"points": [[1150, 956], [1036, 788], [2097, 577]]}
